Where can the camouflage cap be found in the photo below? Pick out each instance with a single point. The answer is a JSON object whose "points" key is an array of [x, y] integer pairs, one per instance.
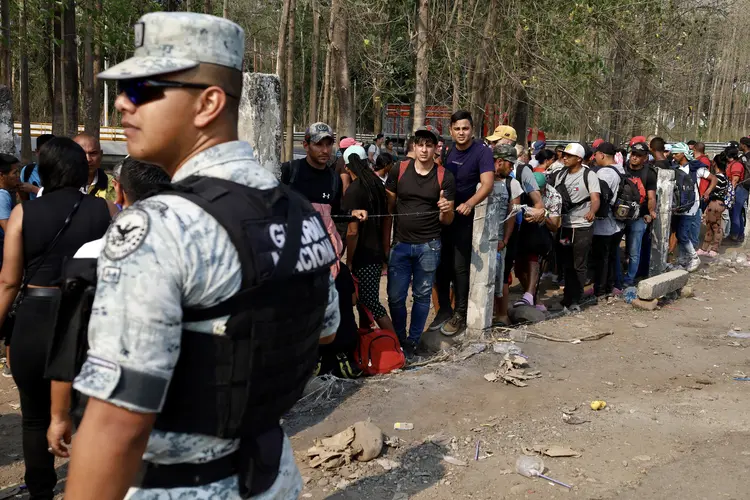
{"points": [[505, 152], [317, 132], [167, 42]]}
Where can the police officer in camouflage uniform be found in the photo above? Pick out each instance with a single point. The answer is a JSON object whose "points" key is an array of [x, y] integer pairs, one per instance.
{"points": [[164, 319]]}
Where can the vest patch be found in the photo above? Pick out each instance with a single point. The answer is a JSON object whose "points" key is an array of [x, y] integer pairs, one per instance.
{"points": [[317, 250], [126, 234]]}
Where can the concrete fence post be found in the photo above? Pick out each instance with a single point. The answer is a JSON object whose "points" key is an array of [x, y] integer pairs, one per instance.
{"points": [[483, 264], [260, 118], [662, 225]]}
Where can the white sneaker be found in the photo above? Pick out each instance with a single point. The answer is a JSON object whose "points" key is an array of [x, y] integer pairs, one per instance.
{"points": [[695, 263]]}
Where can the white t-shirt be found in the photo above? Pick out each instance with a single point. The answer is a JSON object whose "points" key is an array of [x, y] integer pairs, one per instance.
{"points": [[609, 225], [90, 250], [375, 150]]}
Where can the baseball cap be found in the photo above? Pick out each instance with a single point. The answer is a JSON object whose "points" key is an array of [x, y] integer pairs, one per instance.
{"points": [[6, 159], [637, 138], [505, 152], [538, 146], [575, 149], [503, 132], [428, 131], [349, 141], [640, 149], [317, 132], [606, 148], [732, 144], [596, 142], [354, 150], [167, 42]]}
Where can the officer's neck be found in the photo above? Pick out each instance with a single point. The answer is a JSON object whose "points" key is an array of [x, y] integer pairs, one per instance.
{"points": [[202, 144]]}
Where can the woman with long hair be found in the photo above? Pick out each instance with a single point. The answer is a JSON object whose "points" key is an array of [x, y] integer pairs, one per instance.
{"points": [[366, 245], [58, 224]]}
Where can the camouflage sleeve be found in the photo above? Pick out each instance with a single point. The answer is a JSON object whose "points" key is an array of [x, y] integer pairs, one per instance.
{"points": [[333, 315], [136, 320]]}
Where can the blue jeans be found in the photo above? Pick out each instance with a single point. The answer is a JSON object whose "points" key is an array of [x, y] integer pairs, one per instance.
{"points": [[416, 264], [695, 229], [738, 221], [685, 224], [635, 229]]}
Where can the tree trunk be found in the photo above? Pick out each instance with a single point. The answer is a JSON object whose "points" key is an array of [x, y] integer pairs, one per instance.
{"points": [[617, 85], [7, 74], [345, 116], [225, 9], [456, 66], [25, 112], [521, 104], [49, 74], [377, 95], [90, 96], [58, 110], [326, 114], [420, 88], [281, 46], [313, 110], [208, 8], [480, 68], [188, 6], [70, 71], [289, 141]]}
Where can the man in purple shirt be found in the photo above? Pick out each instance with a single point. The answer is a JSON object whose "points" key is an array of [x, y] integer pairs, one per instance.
{"points": [[471, 164]]}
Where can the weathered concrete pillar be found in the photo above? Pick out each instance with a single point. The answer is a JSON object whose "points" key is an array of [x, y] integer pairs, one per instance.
{"points": [[260, 118], [662, 225], [483, 264], [7, 142]]}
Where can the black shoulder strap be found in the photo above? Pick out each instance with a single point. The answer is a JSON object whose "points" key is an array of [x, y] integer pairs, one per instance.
{"points": [[27, 171], [508, 181], [207, 193]]}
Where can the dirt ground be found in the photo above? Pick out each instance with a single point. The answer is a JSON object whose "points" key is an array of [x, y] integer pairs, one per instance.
{"points": [[676, 424]]}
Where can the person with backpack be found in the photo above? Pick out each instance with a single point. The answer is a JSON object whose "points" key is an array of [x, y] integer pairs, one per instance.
{"points": [[421, 194], [31, 184], [716, 206], [737, 174], [366, 244], [607, 230], [687, 204], [319, 183], [472, 165], [579, 188], [641, 172], [507, 192]]}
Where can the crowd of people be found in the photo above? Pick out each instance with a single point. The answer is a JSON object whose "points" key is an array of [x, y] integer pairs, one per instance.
{"points": [[580, 214]]}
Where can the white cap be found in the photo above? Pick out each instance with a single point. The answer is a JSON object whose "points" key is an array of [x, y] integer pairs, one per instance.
{"points": [[354, 150], [575, 149]]}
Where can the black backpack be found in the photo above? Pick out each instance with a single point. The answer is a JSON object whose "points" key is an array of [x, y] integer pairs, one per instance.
{"points": [[27, 171], [684, 192], [628, 199]]}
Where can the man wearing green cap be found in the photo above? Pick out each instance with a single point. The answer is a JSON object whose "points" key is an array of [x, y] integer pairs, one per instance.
{"points": [[212, 296]]}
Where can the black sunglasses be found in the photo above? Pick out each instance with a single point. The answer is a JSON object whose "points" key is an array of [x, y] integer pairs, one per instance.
{"points": [[144, 91]]}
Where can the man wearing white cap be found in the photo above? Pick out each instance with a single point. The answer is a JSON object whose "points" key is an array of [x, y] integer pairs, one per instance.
{"points": [[579, 188], [211, 297]]}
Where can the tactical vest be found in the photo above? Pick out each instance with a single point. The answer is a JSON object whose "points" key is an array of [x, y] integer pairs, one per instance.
{"points": [[239, 383]]}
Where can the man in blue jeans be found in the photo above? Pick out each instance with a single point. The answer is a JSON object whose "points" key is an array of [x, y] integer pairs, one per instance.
{"points": [[421, 194], [645, 176]]}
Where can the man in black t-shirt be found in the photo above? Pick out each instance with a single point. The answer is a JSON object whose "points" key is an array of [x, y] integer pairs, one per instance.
{"points": [[421, 194], [319, 183], [641, 173]]}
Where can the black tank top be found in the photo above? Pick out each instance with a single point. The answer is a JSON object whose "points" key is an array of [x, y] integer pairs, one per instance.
{"points": [[44, 216]]}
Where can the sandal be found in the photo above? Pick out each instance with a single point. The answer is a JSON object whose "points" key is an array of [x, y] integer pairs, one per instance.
{"points": [[522, 302]]}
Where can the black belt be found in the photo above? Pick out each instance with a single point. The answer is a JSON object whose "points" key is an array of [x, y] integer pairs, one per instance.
{"points": [[162, 476], [42, 292]]}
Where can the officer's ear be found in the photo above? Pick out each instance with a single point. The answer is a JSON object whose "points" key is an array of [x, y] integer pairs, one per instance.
{"points": [[210, 105]]}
